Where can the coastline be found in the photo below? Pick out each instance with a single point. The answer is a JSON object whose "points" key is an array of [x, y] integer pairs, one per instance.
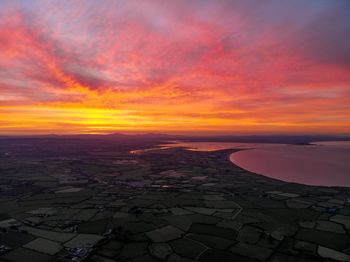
{"points": [[195, 205]]}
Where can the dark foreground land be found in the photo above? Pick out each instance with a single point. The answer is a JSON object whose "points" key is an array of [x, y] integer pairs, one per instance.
{"points": [[92, 200]]}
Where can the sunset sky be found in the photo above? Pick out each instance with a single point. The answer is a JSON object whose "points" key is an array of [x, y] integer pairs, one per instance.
{"points": [[209, 67]]}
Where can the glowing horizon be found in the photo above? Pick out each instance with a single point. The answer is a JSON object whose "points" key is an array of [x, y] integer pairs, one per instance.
{"points": [[178, 67]]}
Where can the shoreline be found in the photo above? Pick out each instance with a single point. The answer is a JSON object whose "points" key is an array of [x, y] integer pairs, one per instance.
{"points": [[195, 206]]}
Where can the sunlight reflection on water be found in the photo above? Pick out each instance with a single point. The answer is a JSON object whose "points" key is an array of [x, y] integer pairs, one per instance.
{"points": [[322, 163]]}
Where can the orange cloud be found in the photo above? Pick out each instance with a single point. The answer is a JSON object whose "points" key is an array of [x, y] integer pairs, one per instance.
{"points": [[223, 68]]}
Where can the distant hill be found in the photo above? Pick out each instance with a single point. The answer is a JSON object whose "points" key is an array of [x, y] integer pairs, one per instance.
{"points": [[287, 139]]}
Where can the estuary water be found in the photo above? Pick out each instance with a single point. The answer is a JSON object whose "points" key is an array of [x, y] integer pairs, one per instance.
{"points": [[320, 164]]}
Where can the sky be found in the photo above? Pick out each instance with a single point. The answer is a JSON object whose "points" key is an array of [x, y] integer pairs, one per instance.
{"points": [[204, 67]]}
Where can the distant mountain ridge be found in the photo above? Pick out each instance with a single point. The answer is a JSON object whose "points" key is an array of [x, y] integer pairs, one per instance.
{"points": [[287, 139]]}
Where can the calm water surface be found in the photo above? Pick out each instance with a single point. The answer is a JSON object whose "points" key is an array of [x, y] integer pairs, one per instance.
{"points": [[322, 163]]}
